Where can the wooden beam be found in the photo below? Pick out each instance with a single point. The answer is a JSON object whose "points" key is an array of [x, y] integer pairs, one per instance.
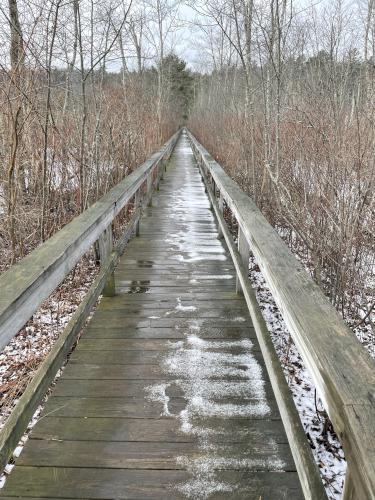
{"points": [[105, 250], [137, 206], [244, 251]]}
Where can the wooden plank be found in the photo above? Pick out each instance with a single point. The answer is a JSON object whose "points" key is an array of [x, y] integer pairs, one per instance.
{"points": [[132, 408], [105, 244], [161, 346], [142, 345], [132, 389], [115, 372], [170, 291], [168, 333], [175, 311], [108, 407], [244, 252], [169, 295], [128, 302], [172, 322], [145, 371], [121, 429], [58, 482], [145, 455], [108, 357], [123, 345], [160, 430], [165, 283]]}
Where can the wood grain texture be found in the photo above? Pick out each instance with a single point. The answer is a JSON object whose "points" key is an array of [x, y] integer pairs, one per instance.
{"points": [[59, 482]]}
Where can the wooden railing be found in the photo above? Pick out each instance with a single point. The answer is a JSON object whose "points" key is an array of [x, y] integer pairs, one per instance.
{"points": [[343, 372], [28, 283]]}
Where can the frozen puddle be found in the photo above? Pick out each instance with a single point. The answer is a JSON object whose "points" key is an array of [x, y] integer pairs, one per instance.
{"points": [[219, 380]]}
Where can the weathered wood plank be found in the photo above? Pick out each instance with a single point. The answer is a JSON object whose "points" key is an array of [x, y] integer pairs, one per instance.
{"points": [[146, 455], [105, 244], [173, 311], [115, 372], [132, 408], [134, 372], [144, 345], [159, 430], [133, 389], [57, 482], [230, 332]]}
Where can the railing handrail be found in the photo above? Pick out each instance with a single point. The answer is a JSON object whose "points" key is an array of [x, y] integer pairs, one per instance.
{"points": [[26, 284], [342, 370]]}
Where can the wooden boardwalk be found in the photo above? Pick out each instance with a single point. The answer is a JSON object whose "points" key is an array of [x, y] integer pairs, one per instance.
{"points": [[166, 394]]}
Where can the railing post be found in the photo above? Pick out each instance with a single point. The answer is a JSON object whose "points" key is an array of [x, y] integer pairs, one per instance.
{"points": [[157, 177], [137, 206], [105, 250], [204, 176], [221, 209], [149, 188], [244, 251], [162, 169]]}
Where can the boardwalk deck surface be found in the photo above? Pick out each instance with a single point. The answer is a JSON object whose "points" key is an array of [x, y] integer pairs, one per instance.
{"points": [[166, 395]]}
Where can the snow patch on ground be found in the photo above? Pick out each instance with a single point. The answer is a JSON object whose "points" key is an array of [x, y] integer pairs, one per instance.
{"points": [[18, 450], [26, 351], [203, 370], [325, 445], [157, 394], [198, 257], [180, 307]]}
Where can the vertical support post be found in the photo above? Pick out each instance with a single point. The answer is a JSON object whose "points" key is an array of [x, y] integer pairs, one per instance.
{"points": [[137, 206], [204, 176], [105, 249], [221, 209], [157, 177], [149, 188], [244, 251]]}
